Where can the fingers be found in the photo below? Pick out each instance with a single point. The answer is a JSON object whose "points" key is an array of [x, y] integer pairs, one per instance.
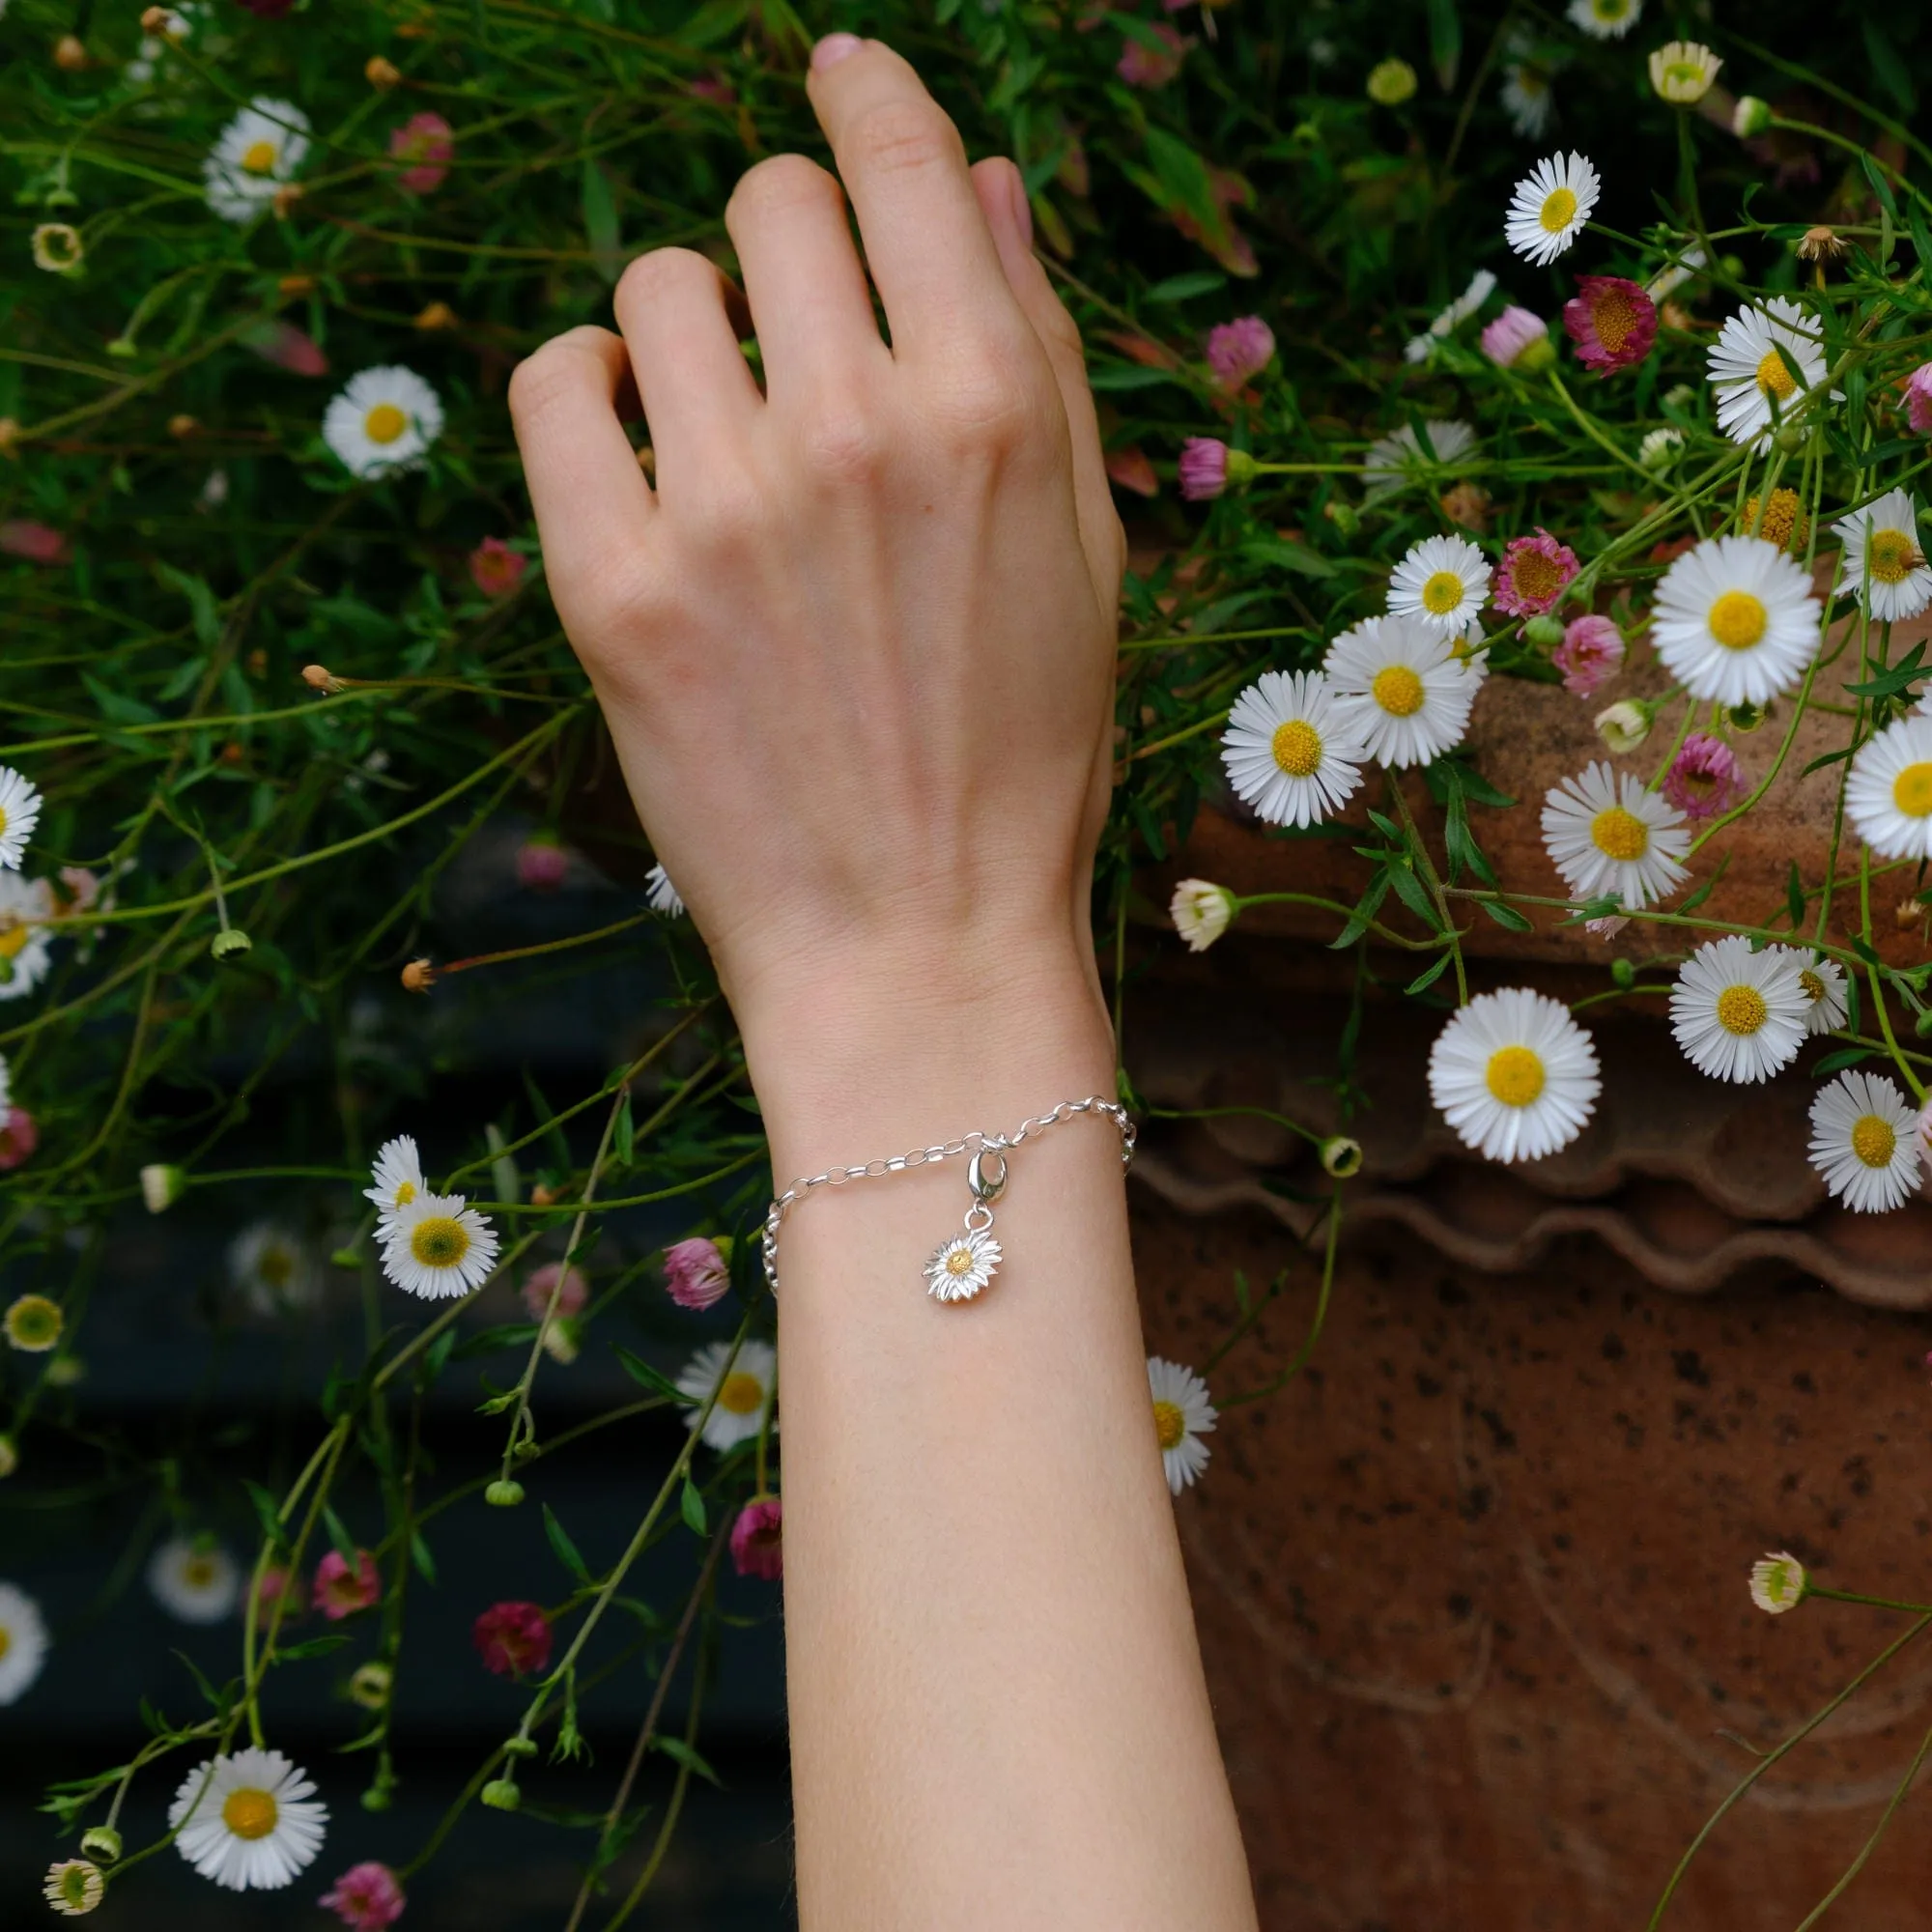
{"points": [[803, 276], [592, 503], [675, 309], [902, 163], [1001, 194]]}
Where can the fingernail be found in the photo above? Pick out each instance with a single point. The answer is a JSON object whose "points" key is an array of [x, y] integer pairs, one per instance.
{"points": [[832, 49], [1022, 208]]}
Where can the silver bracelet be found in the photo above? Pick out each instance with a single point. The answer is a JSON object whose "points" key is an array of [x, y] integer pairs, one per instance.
{"points": [[962, 1265]]}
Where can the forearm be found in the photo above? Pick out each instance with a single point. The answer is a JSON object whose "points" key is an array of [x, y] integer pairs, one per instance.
{"points": [[997, 1709]]}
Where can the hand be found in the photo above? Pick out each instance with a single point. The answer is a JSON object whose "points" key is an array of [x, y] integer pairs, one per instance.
{"points": [[856, 647]]}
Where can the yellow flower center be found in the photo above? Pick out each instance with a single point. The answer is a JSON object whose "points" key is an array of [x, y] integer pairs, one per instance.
{"points": [[1620, 835], [1814, 986], [12, 939], [1874, 1141], [1681, 74], [3, 823], [1615, 317], [1738, 620], [1558, 210], [384, 423], [1891, 555], [1442, 593], [1911, 790], [1773, 379], [5, 1639], [1609, 11], [1784, 522], [1742, 1010], [743, 1394], [1515, 1075], [1398, 691], [406, 1192], [276, 1267], [1297, 748], [438, 1241], [959, 1262], [259, 159], [1170, 1424], [198, 1573], [250, 1813]]}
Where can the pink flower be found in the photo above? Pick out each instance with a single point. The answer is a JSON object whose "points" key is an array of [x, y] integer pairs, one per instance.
{"points": [[1511, 332], [38, 543], [513, 1639], [542, 865], [339, 1591], [1611, 320], [284, 345], [425, 143], [1590, 655], [757, 1547], [271, 1589], [18, 1138], [696, 1274], [1132, 470], [496, 569], [1605, 928], [570, 1298], [1204, 468], [1919, 398], [366, 1898], [1142, 66], [1704, 778], [1533, 574], [80, 888], [1240, 349], [714, 88]]}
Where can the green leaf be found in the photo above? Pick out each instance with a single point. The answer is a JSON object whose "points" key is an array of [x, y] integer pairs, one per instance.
{"points": [[1888, 68], [1366, 909], [1907, 671], [712, 21], [314, 1646], [117, 707], [1428, 976], [1836, 1063], [424, 1562], [1118, 376], [203, 610], [680, 1752], [566, 1550], [641, 1370], [1415, 895], [690, 1505], [1287, 555], [1872, 172], [266, 1509], [338, 1535], [600, 222], [1184, 288], [1506, 915], [1709, 885], [624, 1132]]}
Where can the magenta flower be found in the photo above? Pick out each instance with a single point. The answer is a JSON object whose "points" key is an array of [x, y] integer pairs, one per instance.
{"points": [[757, 1547], [496, 569], [38, 543], [570, 1298], [1142, 66], [18, 1138], [542, 866], [424, 144], [713, 88], [1204, 468], [696, 1274], [513, 1639], [366, 1898], [284, 345], [1240, 349], [1611, 320], [1704, 777], [339, 1591], [272, 1588], [1919, 398], [1590, 655], [1516, 329], [1533, 575]]}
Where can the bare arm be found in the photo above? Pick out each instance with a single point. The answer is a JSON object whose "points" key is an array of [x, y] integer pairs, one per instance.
{"points": [[856, 650]]}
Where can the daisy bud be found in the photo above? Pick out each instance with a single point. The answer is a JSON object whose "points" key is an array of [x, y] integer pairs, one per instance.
{"points": [[182, 427], [419, 976], [1204, 468], [1238, 349], [1546, 633], [1341, 1156], [1704, 777], [1682, 72], [1777, 1583], [227, 944], [1917, 402], [1749, 117], [57, 248], [1624, 726], [542, 1196], [382, 75], [101, 1842], [437, 315], [697, 1273], [376, 1799], [74, 1888], [33, 1323], [1590, 654], [1908, 915], [70, 53], [1467, 505], [10, 1458], [1202, 912], [1518, 339], [1347, 520], [1790, 438], [367, 1897], [501, 1794], [161, 1188], [1391, 82], [319, 677], [503, 1494], [1747, 716]]}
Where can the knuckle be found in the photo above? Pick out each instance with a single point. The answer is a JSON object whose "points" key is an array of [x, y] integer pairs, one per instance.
{"points": [[988, 402], [844, 441], [1061, 333], [650, 278], [777, 184], [899, 135], [542, 380], [727, 510]]}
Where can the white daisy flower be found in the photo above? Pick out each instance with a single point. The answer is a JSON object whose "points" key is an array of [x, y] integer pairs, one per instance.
{"points": [[250, 1821], [273, 1268], [1865, 1142], [194, 1579], [1515, 1075], [20, 814], [399, 1179], [26, 946], [1738, 1014], [1605, 19], [1402, 690], [1888, 795], [258, 152], [1201, 912], [1527, 98], [1735, 621], [23, 1644], [1659, 449], [1823, 984], [73, 1888], [438, 1247], [1882, 557], [743, 1386], [662, 894], [1182, 1414], [1611, 838], [1682, 72], [1403, 457], [1550, 206], [960, 1267], [1442, 583], [1288, 750], [382, 421], [1777, 1583], [1748, 373]]}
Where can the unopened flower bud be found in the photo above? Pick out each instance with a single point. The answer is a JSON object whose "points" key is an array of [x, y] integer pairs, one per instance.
{"points": [[520, 1747], [370, 1686], [103, 1842], [1545, 632], [503, 1494], [161, 1188], [230, 943], [1391, 82], [10, 1458], [1343, 514], [382, 75], [542, 1196], [182, 427], [1624, 726], [1749, 117], [319, 677], [437, 315], [501, 1794], [1790, 438], [1910, 912], [70, 53], [1202, 912], [1341, 1156], [1624, 973], [1747, 716], [419, 976], [377, 1798]]}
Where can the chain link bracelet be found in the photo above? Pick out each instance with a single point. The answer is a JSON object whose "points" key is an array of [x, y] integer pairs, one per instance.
{"points": [[963, 1264]]}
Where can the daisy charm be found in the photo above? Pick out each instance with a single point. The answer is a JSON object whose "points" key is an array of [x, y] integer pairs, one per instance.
{"points": [[960, 1267]]}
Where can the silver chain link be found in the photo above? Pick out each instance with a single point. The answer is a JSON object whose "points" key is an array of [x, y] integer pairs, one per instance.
{"points": [[974, 1143]]}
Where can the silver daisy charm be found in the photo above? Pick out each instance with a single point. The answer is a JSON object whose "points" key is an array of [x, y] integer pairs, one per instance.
{"points": [[961, 1266]]}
